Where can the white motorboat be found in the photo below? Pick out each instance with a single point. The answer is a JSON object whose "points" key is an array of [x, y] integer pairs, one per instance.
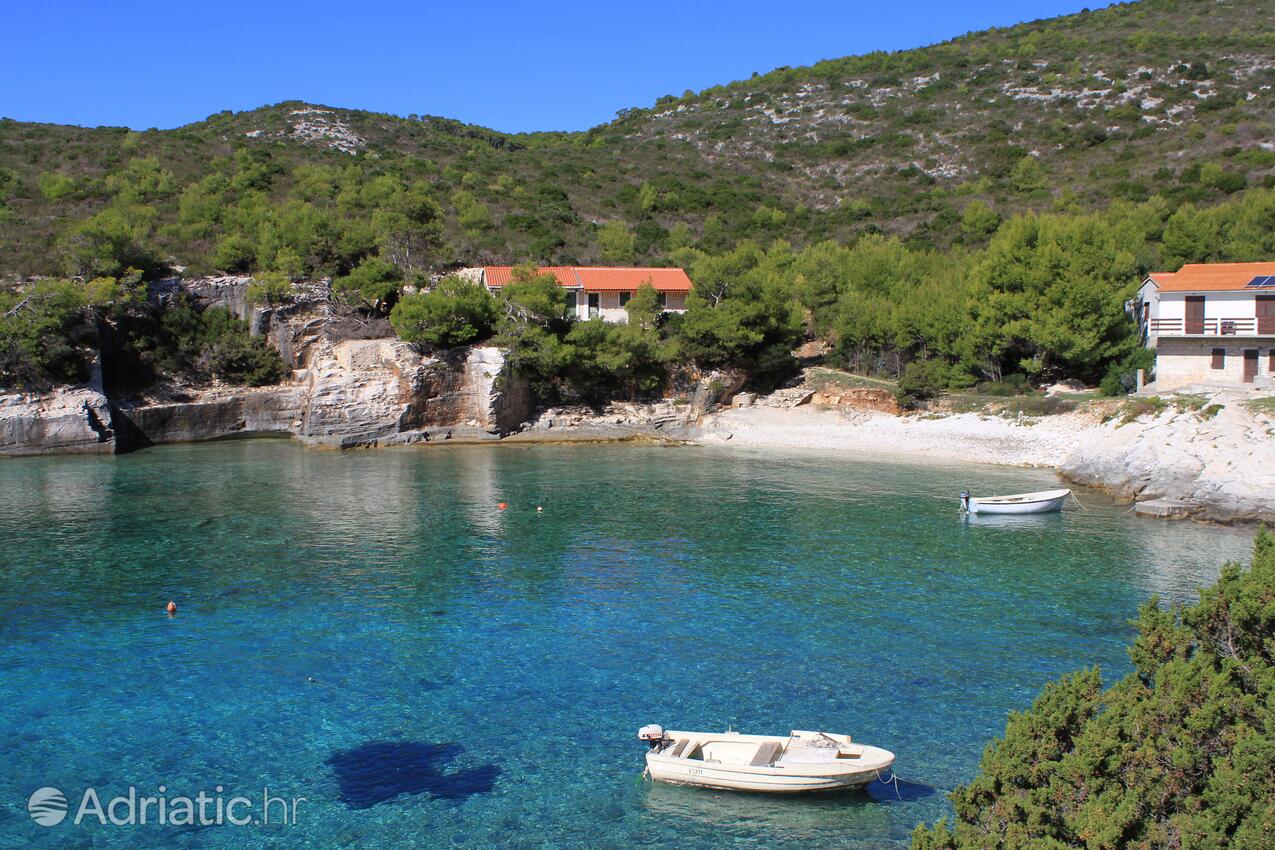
{"points": [[799, 762], [1021, 503]]}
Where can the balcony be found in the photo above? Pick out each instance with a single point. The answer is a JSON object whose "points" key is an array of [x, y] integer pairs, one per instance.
{"points": [[1212, 327]]}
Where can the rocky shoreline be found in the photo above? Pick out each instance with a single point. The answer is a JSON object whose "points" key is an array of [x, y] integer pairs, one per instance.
{"points": [[1213, 464], [1208, 455]]}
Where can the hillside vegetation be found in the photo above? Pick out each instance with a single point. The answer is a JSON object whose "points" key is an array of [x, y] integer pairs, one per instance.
{"points": [[1168, 97], [965, 213]]}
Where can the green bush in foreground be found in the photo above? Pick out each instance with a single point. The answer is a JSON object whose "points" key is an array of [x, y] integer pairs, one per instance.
{"points": [[1180, 753], [455, 312]]}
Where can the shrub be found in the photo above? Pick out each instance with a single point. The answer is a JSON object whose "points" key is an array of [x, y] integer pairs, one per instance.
{"points": [[1177, 753], [921, 380], [374, 282], [1010, 385], [270, 288], [1135, 408], [241, 359], [40, 334], [1121, 377], [455, 312]]}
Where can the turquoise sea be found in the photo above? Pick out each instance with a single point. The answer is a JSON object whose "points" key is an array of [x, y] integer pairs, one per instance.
{"points": [[368, 631]]}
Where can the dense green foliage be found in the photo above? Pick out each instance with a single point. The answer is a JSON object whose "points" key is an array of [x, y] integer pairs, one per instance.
{"points": [[51, 331], [455, 312], [1044, 299], [957, 214], [1180, 753]]}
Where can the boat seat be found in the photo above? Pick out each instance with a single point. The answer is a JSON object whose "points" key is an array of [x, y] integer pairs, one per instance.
{"points": [[678, 747], [766, 754]]}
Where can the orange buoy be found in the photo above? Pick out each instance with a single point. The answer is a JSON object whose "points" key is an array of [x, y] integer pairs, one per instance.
{"points": [[502, 505], [172, 607]]}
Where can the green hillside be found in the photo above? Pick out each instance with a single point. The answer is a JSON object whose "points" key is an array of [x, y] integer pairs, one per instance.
{"points": [[1168, 97]]}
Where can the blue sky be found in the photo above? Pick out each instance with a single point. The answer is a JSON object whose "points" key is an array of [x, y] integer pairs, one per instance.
{"points": [[512, 66]]}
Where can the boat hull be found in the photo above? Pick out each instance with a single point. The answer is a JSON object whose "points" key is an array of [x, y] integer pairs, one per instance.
{"points": [[769, 764], [738, 778], [1045, 503]]}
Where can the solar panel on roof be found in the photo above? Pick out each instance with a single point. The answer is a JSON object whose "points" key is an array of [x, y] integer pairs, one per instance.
{"points": [[1266, 280]]}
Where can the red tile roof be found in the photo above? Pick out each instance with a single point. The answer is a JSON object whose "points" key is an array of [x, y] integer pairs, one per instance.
{"points": [[501, 275], [601, 278], [1211, 277]]}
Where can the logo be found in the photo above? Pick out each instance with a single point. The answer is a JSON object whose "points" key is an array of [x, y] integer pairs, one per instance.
{"points": [[47, 806]]}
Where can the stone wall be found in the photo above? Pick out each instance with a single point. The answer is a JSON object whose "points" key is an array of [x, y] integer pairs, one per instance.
{"points": [[1181, 361]]}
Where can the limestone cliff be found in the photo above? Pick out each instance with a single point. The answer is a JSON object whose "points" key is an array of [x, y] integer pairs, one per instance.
{"points": [[346, 390], [66, 420]]}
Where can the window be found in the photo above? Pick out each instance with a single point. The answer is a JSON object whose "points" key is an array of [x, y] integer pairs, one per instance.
{"points": [[1271, 365], [1219, 358], [624, 298], [661, 298]]}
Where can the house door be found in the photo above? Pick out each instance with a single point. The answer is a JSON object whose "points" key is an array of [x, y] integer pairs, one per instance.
{"points": [[595, 304], [1266, 314], [1250, 365], [1195, 314]]}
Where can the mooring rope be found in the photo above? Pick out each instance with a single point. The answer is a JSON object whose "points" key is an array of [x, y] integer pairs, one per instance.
{"points": [[895, 779]]}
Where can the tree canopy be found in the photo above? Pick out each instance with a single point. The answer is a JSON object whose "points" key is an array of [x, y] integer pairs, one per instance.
{"points": [[1179, 753]]}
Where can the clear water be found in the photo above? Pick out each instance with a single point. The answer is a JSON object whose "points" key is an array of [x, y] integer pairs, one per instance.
{"points": [[344, 618]]}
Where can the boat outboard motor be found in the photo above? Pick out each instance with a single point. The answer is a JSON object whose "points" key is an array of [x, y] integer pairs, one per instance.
{"points": [[965, 501], [653, 734]]}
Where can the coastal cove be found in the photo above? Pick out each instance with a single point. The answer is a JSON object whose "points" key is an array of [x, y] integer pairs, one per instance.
{"points": [[344, 611]]}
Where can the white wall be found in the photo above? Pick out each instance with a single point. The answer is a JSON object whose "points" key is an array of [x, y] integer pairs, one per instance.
{"points": [[611, 311], [1217, 305]]}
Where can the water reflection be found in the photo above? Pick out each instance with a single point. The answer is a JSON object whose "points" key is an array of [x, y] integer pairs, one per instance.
{"points": [[795, 819]]}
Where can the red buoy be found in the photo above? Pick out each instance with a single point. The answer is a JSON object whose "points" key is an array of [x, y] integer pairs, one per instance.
{"points": [[172, 607], [501, 505]]}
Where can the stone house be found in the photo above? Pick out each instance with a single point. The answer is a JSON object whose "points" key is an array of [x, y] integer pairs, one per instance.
{"points": [[1209, 323]]}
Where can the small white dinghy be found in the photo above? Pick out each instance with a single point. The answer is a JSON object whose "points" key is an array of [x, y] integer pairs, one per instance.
{"points": [[802, 761], [1023, 503]]}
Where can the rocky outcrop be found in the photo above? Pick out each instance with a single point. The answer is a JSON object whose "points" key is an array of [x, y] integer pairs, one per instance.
{"points": [[213, 415], [863, 398], [354, 393], [715, 389], [666, 421], [501, 401], [67, 420], [1214, 458]]}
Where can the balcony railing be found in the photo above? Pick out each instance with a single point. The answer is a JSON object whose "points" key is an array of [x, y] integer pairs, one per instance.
{"points": [[1212, 327]]}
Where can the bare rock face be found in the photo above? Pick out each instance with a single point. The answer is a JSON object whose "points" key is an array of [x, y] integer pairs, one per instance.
{"points": [[214, 415], [67, 420], [666, 421], [863, 398], [1220, 462], [353, 393], [716, 388]]}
